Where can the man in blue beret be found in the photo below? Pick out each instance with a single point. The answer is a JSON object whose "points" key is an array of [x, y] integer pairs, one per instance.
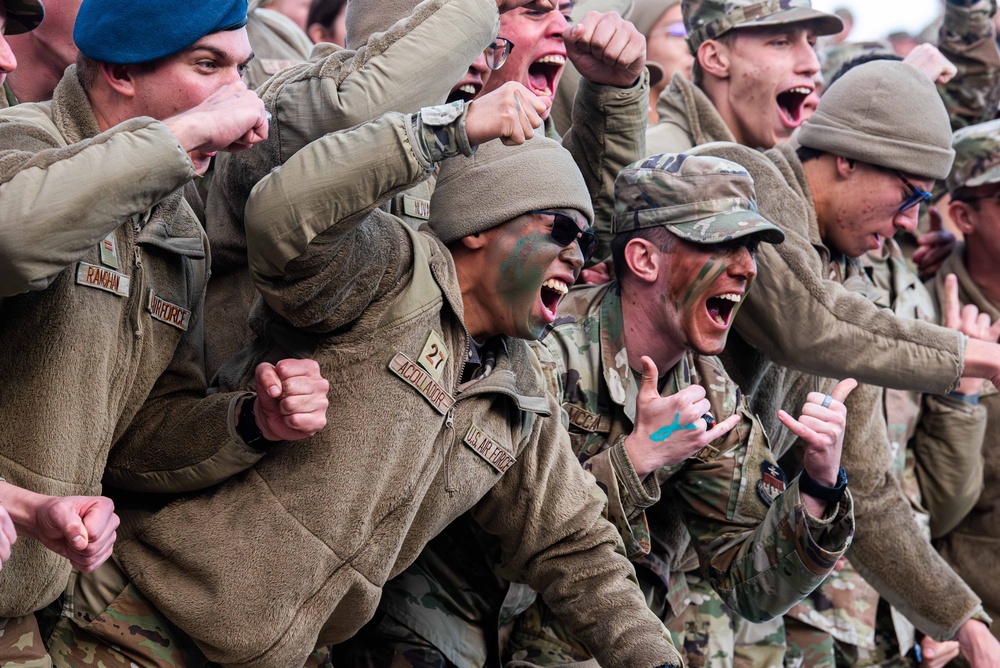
{"points": [[103, 265]]}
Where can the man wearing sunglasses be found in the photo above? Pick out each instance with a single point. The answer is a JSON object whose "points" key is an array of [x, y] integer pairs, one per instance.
{"points": [[687, 231], [441, 405], [880, 135]]}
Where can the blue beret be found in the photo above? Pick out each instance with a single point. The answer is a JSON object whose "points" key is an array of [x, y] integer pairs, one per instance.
{"points": [[140, 31]]}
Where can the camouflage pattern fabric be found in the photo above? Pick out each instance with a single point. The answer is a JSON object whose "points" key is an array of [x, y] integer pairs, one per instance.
{"points": [[385, 643], [759, 645], [702, 199], [968, 39], [977, 156], [21, 644], [704, 631], [23, 15], [709, 19]]}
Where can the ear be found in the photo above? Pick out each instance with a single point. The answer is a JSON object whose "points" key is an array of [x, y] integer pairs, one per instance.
{"points": [[119, 78], [964, 216], [713, 57], [643, 259], [317, 33], [845, 167], [474, 242]]}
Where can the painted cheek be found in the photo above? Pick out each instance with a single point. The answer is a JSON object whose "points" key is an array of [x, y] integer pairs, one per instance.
{"points": [[709, 273]]}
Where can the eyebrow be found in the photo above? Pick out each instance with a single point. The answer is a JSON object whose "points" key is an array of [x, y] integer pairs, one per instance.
{"points": [[219, 53]]}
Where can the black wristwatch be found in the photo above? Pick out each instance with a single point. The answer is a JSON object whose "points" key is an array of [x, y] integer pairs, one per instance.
{"points": [[829, 494], [246, 427]]}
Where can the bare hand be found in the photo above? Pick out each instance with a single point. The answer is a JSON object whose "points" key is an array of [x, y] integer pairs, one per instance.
{"points": [[598, 274], [822, 428], [8, 535], [933, 247], [937, 654], [606, 49], [669, 429], [539, 5], [979, 647], [80, 528], [291, 399], [971, 322], [511, 114], [930, 61], [230, 119]]}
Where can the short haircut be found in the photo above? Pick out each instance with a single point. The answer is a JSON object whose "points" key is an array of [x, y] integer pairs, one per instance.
{"points": [[324, 12], [88, 69], [698, 74], [659, 236], [805, 154], [869, 57]]}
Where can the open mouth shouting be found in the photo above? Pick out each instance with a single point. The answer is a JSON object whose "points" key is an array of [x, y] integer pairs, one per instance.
{"points": [[552, 291], [544, 73], [790, 105], [720, 308], [467, 89]]}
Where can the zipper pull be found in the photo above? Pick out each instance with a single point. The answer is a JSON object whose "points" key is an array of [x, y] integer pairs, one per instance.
{"points": [[449, 420]]}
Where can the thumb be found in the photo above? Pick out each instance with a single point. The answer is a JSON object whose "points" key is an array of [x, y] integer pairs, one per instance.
{"points": [[844, 388], [952, 307], [650, 375], [72, 527], [268, 380], [572, 34], [935, 223]]}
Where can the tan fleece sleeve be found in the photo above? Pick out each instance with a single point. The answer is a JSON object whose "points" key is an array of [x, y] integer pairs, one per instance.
{"points": [[60, 201], [547, 512]]}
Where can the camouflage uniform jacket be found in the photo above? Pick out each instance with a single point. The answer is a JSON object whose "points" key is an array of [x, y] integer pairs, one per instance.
{"points": [[102, 286], [929, 436], [757, 544], [968, 39], [972, 547], [771, 354], [416, 442]]}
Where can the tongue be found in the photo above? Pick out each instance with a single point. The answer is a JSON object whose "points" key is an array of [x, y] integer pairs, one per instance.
{"points": [[537, 79], [715, 312]]}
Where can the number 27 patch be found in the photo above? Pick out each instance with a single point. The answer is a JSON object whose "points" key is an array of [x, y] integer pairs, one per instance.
{"points": [[434, 356]]}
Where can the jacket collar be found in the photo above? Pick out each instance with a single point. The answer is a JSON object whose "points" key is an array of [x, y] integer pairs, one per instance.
{"points": [[71, 110], [685, 105]]}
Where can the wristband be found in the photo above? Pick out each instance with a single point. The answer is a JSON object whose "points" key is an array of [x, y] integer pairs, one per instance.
{"points": [[971, 399], [829, 494], [246, 427]]}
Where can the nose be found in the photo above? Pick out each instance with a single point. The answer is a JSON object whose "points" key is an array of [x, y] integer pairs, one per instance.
{"points": [[907, 220], [557, 23], [743, 264], [479, 65], [807, 62], [573, 256], [8, 63]]}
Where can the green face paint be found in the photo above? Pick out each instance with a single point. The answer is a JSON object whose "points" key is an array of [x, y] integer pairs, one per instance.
{"points": [[520, 276], [710, 272]]}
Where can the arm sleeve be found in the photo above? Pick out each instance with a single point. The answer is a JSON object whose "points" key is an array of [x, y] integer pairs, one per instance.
{"points": [[889, 549], [547, 512], [761, 559], [308, 226], [59, 202], [607, 135], [947, 448], [968, 39], [793, 287]]}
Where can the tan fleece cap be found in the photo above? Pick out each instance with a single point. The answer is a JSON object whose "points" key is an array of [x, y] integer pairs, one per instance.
{"points": [[499, 183], [884, 113], [364, 18]]}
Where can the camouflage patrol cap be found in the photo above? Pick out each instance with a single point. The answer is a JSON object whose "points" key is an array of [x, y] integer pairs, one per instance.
{"points": [[709, 19], [22, 15], [701, 199], [977, 156]]}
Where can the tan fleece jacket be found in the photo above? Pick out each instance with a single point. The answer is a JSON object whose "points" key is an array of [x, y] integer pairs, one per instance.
{"points": [[687, 118], [313, 531], [973, 547], [95, 355], [798, 282]]}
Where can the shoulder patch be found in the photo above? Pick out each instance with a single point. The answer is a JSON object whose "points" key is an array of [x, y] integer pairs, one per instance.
{"points": [[495, 454], [434, 356], [416, 377], [416, 208], [586, 420], [164, 311], [771, 483]]}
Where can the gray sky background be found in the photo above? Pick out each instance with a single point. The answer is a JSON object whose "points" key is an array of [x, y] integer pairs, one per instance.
{"points": [[877, 18]]}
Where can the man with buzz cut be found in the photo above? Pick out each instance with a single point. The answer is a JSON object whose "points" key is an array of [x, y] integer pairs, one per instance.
{"points": [[686, 234], [869, 154]]}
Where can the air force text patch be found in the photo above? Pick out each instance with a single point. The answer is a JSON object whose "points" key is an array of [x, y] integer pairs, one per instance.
{"points": [[484, 446], [102, 278], [422, 382], [172, 314]]}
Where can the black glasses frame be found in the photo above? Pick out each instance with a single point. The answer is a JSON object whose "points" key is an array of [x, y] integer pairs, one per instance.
{"points": [[565, 231], [917, 196]]}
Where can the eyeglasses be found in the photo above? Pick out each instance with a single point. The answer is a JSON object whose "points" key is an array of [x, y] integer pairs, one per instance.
{"points": [[677, 30], [917, 196], [565, 231], [497, 52]]}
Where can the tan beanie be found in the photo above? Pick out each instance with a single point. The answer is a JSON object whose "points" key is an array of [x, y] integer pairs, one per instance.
{"points": [[499, 183], [884, 113], [364, 18]]}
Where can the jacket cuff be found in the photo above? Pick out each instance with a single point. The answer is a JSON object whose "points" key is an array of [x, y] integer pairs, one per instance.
{"points": [[636, 494], [438, 132], [834, 532], [599, 97]]}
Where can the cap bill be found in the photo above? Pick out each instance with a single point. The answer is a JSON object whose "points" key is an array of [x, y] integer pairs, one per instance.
{"points": [[724, 227], [825, 24]]}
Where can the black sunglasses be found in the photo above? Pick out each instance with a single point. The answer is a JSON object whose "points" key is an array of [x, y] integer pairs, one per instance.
{"points": [[917, 196], [565, 231]]}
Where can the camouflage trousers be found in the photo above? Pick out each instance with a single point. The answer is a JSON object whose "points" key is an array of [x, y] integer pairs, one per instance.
{"points": [[385, 643], [703, 633], [21, 644]]}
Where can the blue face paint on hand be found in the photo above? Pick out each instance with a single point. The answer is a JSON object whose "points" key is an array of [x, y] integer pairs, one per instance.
{"points": [[663, 433]]}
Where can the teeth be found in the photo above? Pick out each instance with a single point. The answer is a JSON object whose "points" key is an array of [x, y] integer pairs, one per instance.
{"points": [[556, 285], [554, 59], [468, 88], [802, 90], [733, 297]]}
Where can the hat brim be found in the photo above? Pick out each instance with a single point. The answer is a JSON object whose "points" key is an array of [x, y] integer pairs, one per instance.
{"points": [[989, 177], [723, 227], [825, 24], [656, 72], [25, 17]]}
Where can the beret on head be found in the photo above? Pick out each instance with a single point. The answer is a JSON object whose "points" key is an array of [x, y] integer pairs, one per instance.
{"points": [[364, 18], [884, 113], [499, 183], [139, 31]]}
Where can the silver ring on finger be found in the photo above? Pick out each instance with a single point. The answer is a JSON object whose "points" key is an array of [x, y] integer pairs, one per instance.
{"points": [[827, 400]]}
